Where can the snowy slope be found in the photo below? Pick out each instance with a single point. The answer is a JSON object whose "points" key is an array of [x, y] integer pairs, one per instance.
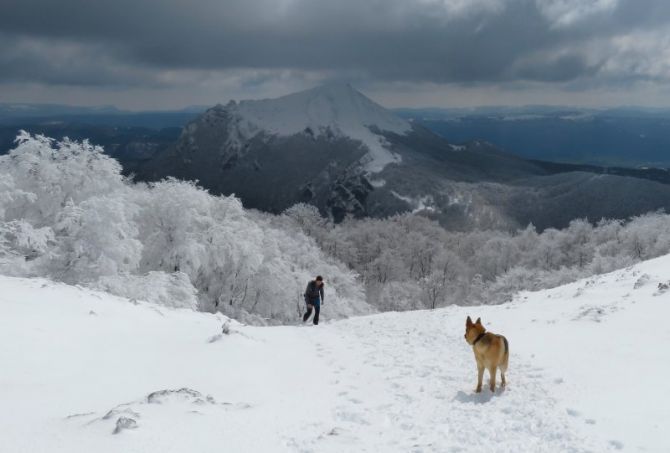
{"points": [[586, 372], [335, 107]]}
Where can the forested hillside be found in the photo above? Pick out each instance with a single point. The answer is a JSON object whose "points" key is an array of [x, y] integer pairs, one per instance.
{"points": [[67, 213]]}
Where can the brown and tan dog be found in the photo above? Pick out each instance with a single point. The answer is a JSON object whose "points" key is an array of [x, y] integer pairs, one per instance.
{"points": [[491, 352]]}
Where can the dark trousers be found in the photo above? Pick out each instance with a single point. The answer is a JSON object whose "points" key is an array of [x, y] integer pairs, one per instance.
{"points": [[317, 308]]}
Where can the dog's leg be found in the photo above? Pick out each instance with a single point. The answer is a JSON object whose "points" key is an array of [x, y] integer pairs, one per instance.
{"points": [[492, 375], [503, 367], [480, 377]]}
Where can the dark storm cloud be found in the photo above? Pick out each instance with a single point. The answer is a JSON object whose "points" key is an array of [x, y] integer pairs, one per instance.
{"points": [[64, 62], [85, 42]]}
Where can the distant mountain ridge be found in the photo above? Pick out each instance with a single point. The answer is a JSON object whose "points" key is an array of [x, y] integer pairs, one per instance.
{"points": [[333, 147], [624, 137]]}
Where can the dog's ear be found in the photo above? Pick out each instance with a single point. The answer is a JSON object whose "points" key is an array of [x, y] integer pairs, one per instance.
{"points": [[478, 321], [468, 322]]}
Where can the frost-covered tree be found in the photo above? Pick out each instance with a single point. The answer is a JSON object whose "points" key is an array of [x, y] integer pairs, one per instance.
{"points": [[67, 213], [21, 243], [490, 265], [46, 174], [171, 290], [95, 238]]}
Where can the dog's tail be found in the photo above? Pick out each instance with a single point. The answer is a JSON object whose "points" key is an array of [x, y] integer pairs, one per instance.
{"points": [[506, 345]]}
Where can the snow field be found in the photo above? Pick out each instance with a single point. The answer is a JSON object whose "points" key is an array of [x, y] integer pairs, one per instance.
{"points": [[587, 368]]}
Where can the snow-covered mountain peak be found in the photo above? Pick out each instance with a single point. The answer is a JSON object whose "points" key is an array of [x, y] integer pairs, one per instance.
{"points": [[336, 107]]}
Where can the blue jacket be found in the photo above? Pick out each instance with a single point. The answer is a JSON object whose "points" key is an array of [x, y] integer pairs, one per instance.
{"points": [[313, 292]]}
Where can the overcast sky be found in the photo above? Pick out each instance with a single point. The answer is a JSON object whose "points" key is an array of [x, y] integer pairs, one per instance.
{"points": [[143, 54]]}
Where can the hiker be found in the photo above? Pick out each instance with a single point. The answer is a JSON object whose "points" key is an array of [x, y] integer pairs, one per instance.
{"points": [[314, 297]]}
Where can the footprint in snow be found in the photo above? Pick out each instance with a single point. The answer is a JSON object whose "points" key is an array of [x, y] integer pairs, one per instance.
{"points": [[351, 417], [616, 444], [572, 412]]}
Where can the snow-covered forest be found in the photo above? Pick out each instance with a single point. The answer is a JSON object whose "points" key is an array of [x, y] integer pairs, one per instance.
{"points": [[411, 262], [67, 213]]}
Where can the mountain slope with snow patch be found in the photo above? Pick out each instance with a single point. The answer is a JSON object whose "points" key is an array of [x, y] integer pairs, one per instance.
{"points": [[337, 108], [85, 371], [336, 149]]}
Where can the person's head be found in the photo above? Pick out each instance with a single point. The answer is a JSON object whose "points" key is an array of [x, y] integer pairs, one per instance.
{"points": [[319, 280]]}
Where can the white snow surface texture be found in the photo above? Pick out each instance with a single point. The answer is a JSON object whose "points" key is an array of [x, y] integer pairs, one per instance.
{"points": [[337, 107], [83, 371]]}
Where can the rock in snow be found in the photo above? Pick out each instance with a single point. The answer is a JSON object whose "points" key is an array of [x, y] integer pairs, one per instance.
{"points": [[124, 423], [587, 372]]}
